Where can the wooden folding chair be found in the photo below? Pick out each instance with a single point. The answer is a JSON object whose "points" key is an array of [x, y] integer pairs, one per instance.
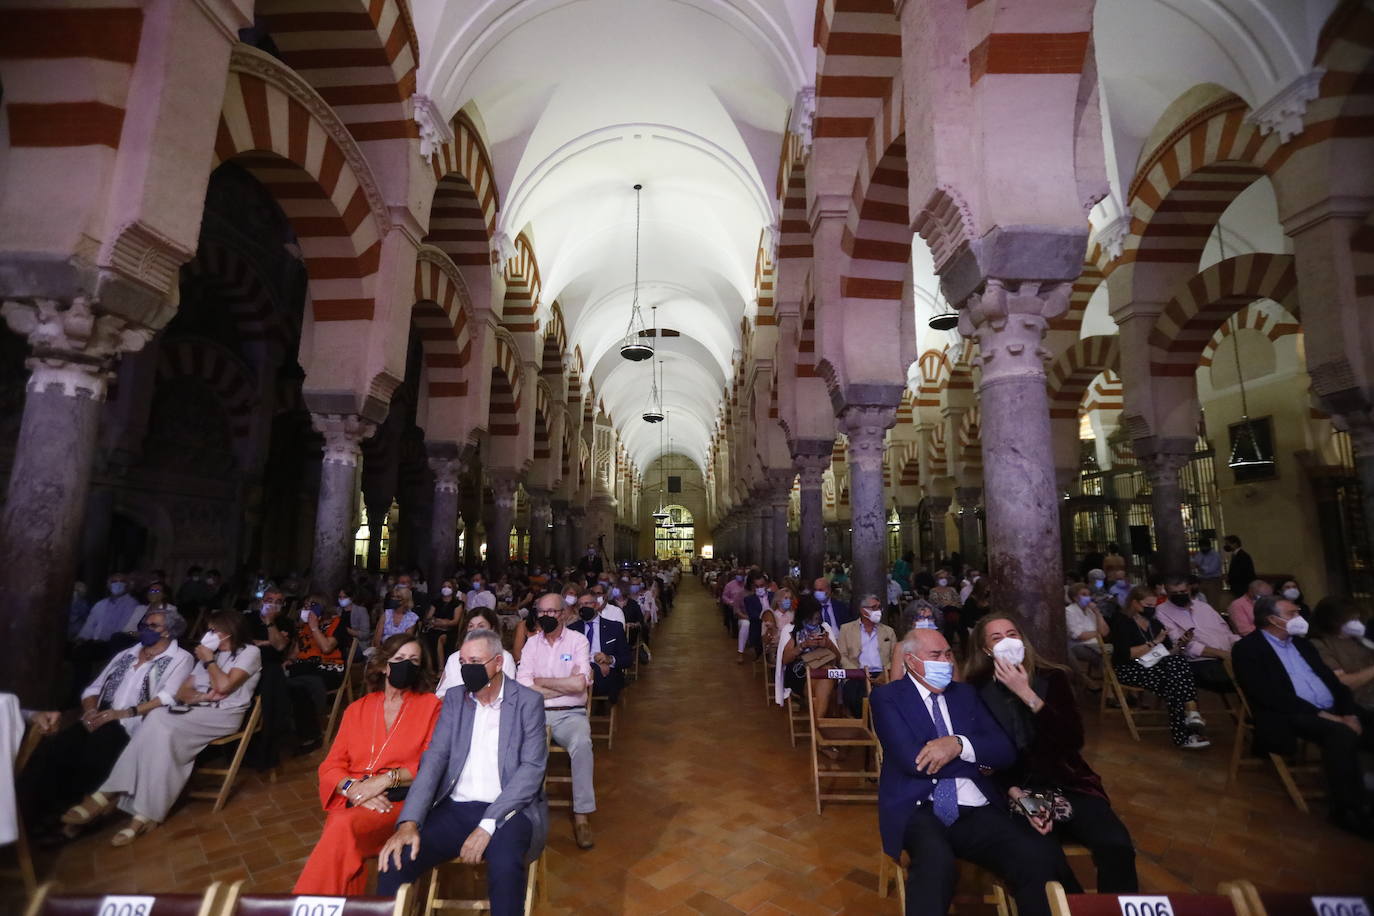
{"points": [[770, 662], [1263, 903], [229, 774], [554, 748], [603, 725], [236, 903], [343, 695], [44, 902], [455, 885], [835, 731], [994, 892], [23, 857], [634, 635], [1111, 687], [1229, 902], [1287, 771]]}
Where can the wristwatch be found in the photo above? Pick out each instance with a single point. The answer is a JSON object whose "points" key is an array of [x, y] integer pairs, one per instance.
{"points": [[347, 784], [961, 742], [132, 711]]}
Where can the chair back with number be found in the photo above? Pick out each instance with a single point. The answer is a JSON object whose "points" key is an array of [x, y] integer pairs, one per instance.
{"points": [[1227, 903], [46, 903], [239, 904], [1264, 903], [842, 732]]}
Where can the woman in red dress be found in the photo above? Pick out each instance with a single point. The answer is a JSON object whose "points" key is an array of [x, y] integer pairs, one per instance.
{"points": [[375, 754]]}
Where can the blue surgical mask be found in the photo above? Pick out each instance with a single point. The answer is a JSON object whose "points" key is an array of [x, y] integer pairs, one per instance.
{"points": [[787, 604], [1097, 584], [925, 623], [938, 674], [821, 596], [634, 589]]}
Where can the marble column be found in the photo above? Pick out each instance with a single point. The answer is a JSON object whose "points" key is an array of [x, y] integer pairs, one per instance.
{"points": [[907, 519], [472, 539], [541, 536], [1009, 318], [503, 486], [560, 549], [867, 426], [938, 508], [765, 512], [1063, 482], [577, 533], [811, 531], [336, 512], [779, 498], [443, 530], [72, 351], [970, 542], [753, 548], [1161, 460]]}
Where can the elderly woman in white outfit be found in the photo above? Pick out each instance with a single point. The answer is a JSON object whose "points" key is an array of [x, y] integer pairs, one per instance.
{"points": [[156, 763]]}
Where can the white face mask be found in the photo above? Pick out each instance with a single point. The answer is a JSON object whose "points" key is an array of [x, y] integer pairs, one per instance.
{"points": [[569, 600], [1296, 626], [210, 640], [875, 615], [446, 591], [1292, 594], [1353, 628], [117, 588], [1010, 650], [345, 602], [942, 582]]}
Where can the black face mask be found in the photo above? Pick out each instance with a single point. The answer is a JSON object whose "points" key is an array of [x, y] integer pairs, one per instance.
{"points": [[402, 675], [586, 613], [474, 676], [392, 604], [1181, 600], [548, 624], [1147, 610]]}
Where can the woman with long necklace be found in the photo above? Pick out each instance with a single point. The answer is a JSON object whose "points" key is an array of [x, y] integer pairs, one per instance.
{"points": [[372, 761]]}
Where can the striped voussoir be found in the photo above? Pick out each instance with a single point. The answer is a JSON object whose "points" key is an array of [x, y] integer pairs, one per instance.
{"points": [[300, 157], [1183, 329], [229, 377], [555, 342], [232, 278], [463, 218], [441, 315], [859, 50], [1105, 393], [523, 288], [1267, 318], [934, 368], [1028, 53], [361, 56], [543, 397], [1083, 288], [935, 443], [906, 408], [93, 51], [506, 389], [1362, 258], [765, 281], [911, 468], [877, 231], [794, 230], [1074, 370]]}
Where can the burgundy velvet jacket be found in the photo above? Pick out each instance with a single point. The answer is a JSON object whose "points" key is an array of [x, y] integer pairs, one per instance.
{"points": [[1049, 744]]}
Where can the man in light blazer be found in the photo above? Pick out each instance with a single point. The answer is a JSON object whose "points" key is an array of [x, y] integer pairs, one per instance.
{"points": [[865, 643], [479, 794]]}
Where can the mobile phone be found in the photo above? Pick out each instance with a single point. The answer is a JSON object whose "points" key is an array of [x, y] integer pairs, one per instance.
{"points": [[1033, 806]]}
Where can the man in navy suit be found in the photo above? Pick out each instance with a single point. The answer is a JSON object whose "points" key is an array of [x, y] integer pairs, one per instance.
{"points": [[935, 800], [479, 794], [833, 611], [610, 648]]}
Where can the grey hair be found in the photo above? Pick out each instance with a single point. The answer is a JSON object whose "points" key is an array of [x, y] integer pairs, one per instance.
{"points": [[490, 637], [171, 619], [868, 595], [1267, 606]]}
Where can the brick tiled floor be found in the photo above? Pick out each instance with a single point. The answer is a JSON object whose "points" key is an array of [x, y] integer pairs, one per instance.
{"points": [[705, 808]]}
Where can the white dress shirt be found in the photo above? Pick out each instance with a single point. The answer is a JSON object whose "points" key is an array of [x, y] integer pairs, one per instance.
{"points": [[969, 794], [869, 656], [480, 780], [611, 612], [485, 598]]}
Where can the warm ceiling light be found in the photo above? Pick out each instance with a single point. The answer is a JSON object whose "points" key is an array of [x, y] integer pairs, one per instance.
{"points": [[635, 348]]}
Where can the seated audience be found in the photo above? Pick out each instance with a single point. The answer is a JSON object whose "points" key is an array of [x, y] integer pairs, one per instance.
{"points": [[74, 761], [834, 612], [1242, 610], [1119, 587], [979, 601], [779, 615], [1206, 639], [374, 756], [444, 617], [314, 667], [865, 643], [479, 795], [732, 598], [479, 595], [808, 643], [270, 629], [1032, 699], [1290, 590], [1344, 647], [757, 599], [556, 663], [944, 595], [101, 634], [398, 616], [1293, 694], [935, 794], [360, 625], [1084, 623], [609, 647], [599, 591], [153, 768], [1144, 656], [920, 613], [480, 619]]}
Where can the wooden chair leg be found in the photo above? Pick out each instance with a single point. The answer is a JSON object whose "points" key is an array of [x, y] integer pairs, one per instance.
{"points": [[1237, 749], [1289, 784], [543, 866], [24, 858]]}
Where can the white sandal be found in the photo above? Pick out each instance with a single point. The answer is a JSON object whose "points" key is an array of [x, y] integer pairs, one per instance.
{"points": [[92, 808], [137, 827]]}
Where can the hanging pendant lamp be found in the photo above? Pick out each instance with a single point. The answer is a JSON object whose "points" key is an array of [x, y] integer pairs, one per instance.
{"points": [[668, 460], [1245, 450], [945, 320], [636, 346], [653, 411]]}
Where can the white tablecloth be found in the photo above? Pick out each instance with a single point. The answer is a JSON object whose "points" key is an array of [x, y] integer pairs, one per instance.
{"points": [[11, 737]]}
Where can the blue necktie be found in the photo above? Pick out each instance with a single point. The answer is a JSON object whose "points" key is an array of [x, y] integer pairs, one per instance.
{"points": [[946, 794]]}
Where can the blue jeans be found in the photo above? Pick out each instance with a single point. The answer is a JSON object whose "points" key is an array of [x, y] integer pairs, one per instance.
{"points": [[441, 839]]}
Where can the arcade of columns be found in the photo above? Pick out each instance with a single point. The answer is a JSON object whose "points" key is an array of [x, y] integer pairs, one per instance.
{"points": [[393, 209]]}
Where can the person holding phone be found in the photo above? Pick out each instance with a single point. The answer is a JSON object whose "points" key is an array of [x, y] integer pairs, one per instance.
{"points": [[807, 643], [314, 667], [1032, 699], [1143, 655]]}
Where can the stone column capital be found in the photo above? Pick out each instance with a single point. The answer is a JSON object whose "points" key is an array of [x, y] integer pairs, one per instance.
{"points": [[503, 486], [866, 427], [446, 461], [343, 436], [72, 345], [779, 489], [1008, 318], [1162, 459], [968, 497], [937, 505], [907, 514]]}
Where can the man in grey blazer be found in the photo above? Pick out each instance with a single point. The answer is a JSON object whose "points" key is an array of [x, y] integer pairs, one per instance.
{"points": [[479, 794]]}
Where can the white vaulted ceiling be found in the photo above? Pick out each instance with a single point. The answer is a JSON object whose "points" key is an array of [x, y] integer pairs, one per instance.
{"points": [[581, 99]]}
